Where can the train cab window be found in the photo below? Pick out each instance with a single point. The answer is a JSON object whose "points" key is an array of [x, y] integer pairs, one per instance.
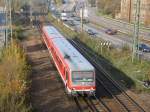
{"points": [[59, 61], [78, 77]]}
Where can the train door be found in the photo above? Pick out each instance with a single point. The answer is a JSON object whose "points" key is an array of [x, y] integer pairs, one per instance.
{"points": [[67, 84], [66, 76]]}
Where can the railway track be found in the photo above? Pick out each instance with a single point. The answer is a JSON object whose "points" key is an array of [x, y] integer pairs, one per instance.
{"points": [[99, 104], [89, 104], [85, 104], [120, 97], [121, 101]]}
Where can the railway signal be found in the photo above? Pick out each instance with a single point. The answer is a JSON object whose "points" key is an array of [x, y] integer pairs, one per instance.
{"points": [[102, 44]]}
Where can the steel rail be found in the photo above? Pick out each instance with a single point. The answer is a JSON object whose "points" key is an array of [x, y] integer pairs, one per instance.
{"points": [[108, 91], [99, 68]]}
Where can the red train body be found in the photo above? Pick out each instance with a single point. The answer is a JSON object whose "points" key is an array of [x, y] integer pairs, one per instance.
{"points": [[76, 72]]}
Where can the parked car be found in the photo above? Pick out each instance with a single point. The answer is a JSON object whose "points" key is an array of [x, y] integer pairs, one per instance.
{"points": [[57, 14], [64, 16], [91, 32], [144, 48], [111, 31]]}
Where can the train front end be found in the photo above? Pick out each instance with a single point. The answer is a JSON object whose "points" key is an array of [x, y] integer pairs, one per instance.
{"points": [[83, 82]]}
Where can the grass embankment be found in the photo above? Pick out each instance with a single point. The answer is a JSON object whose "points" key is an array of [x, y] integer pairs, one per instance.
{"points": [[120, 66], [107, 16], [99, 13], [13, 79]]}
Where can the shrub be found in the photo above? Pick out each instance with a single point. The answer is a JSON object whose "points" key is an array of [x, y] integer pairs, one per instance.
{"points": [[110, 7], [13, 79], [18, 33]]}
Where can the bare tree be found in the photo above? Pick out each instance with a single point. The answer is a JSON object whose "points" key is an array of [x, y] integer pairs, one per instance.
{"points": [[109, 6]]}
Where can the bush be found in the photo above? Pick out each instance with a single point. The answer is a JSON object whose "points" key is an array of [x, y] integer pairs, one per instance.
{"points": [[13, 103], [110, 7], [13, 79], [18, 33]]}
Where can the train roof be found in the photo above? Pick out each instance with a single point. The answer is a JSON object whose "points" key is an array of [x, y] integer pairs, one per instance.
{"points": [[72, 56]]}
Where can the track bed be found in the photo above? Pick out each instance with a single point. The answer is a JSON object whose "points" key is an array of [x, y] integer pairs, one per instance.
{"points": [[47, 92]]}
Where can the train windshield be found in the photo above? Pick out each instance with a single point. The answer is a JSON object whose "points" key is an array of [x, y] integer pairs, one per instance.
{"points": [[82, 77]]}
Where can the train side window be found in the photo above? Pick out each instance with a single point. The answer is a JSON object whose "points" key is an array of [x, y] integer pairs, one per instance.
{"points": [[58, 59], [67, 75], [64, 70], [60, 63], [52, 49]]}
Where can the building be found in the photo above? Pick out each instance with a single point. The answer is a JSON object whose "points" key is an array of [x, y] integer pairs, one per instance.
{"points": [[128, 8]]}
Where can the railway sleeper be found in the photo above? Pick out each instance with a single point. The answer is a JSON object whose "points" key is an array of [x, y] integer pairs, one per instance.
{"points": [[131, 106], [97, 106]]}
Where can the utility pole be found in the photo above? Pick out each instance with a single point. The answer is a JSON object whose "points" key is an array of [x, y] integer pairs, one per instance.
{"points": [[48, 7], [130, 5], [10, 19], [30, 12], [136, 32], [81, 19], [6, 23]]}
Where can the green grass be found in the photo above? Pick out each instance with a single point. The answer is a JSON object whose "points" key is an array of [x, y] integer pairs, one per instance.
{"points": [[121, 67], [18, 33], [99, 13], [142, 26], [58, 2]]}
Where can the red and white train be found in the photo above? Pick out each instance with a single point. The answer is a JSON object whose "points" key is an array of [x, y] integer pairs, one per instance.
{"points": [[76, 72]]}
